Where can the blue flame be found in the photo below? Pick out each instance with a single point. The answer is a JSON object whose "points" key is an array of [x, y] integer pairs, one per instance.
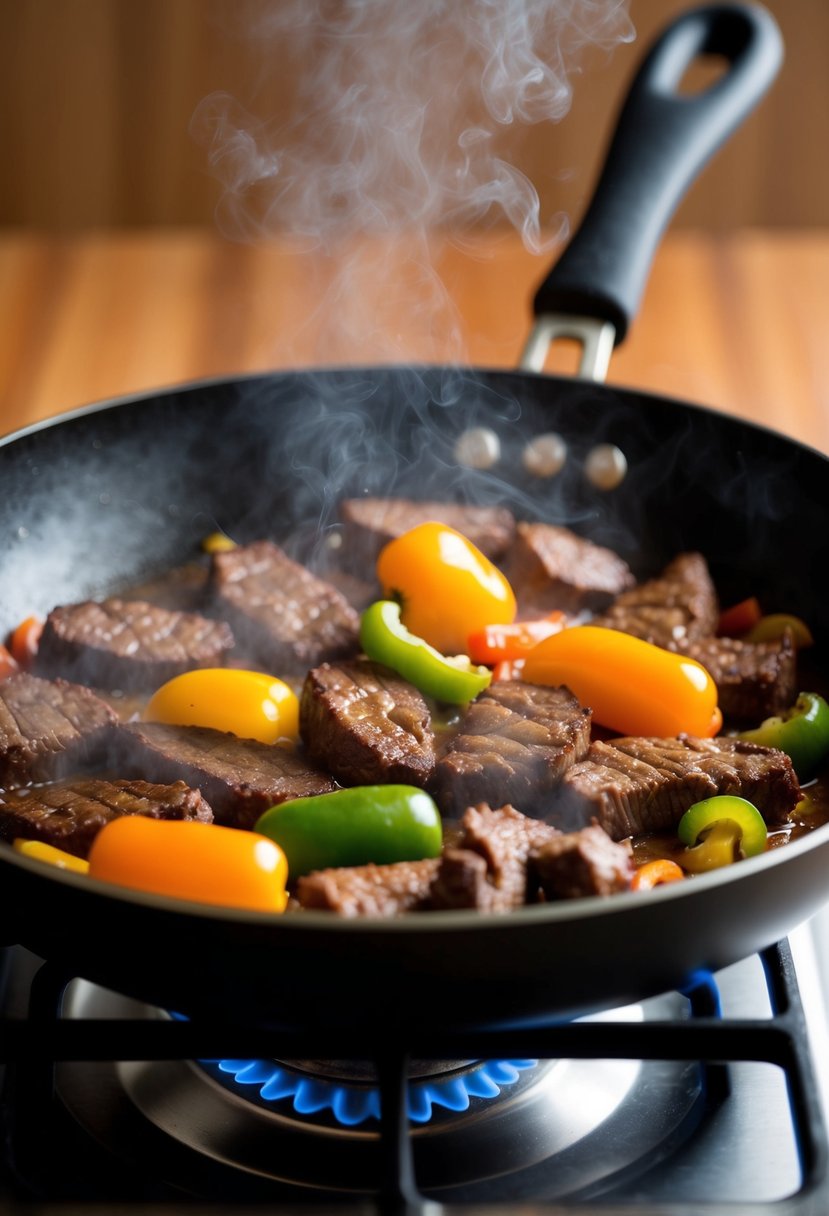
{"points": [[353, 1105]]}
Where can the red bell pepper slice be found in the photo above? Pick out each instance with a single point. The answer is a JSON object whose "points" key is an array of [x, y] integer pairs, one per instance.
{"points": [[499, 643], [739, 618]]}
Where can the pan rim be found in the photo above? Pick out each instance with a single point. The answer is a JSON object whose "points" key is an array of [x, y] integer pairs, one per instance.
{"points": [[335, 369], [558, 912], [562, 912]]}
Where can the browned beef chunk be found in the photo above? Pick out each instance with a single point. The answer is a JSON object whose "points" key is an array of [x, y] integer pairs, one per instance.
{"points": [[366, 725], [754, 679], [358, 591], [69, 814], [577, 864], [631, 786], [282, 616], [369, 890], [514, 745], [503, 839], [370, 523], [551, 567], [462, 881], [128, 643], [49, 728], [672, 610], [240, 778]]}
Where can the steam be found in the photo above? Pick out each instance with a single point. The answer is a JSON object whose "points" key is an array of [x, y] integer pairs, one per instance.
{"points": [[397, 137]]}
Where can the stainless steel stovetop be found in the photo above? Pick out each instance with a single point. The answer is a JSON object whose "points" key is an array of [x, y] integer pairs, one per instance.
{"points": [[604, 1113]]}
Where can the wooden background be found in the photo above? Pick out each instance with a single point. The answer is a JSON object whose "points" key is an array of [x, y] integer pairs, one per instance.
{"points": [[97, 96]]}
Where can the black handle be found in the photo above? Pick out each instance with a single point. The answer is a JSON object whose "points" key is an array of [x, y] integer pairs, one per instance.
{"points": [[661, 142]]}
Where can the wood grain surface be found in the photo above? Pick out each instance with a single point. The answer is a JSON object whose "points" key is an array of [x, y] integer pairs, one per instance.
{"points": [[739, 322], [99, 98]]}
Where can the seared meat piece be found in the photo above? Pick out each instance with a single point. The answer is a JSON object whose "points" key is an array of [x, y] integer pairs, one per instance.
{"points": [[577, 864], [366, 725], [672, 610], [503, 839], [357, 591], [551, 567], [369, 890], [515, 743], [240, 778], [370, 523], [462, 881], [70, 814], [128, 643], [630, 786], [49, 728], [754, 679], [282, 616]]}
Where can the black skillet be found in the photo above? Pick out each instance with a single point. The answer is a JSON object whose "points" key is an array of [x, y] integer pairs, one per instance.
{"points": [[104, 497]]}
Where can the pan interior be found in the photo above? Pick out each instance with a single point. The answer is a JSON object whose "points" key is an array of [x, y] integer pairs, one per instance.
{"points": [[106, 499]]}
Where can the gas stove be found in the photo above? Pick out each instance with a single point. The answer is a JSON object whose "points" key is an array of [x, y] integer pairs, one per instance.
{"points": [[689, 1102]]}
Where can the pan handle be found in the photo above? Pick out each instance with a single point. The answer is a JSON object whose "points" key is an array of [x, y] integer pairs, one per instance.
{"points": [[662, 140]]}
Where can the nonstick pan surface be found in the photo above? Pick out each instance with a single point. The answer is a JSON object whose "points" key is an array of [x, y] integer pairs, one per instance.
{"points": [[107, 497], [110, 495]]}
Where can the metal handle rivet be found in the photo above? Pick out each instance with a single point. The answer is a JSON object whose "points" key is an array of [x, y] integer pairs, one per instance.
{"points": [[544, 456], [478, 448], [605, 466]]}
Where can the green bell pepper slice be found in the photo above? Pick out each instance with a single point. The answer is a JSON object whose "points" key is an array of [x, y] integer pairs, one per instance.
{"points": [[353, 827], [719, 847], [385, 638], [717, 830], [802, 732]]}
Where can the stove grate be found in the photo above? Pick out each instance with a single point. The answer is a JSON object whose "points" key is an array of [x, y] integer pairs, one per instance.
{"points": [[33, 1046]]}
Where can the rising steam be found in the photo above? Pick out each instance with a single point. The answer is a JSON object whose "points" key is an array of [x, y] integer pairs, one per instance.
{"points": [[397, 131]]}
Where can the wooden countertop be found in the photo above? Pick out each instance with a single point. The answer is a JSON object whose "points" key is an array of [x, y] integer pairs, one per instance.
{"points": [[739, 322]]}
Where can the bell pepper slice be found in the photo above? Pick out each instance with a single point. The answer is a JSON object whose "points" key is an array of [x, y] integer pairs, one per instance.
{"points": [[632, 686], [8, 663], [354, 827], [385, 638], [655, 873], [772, 627], [739, 618], [218, 542], [498, 643], [446, 586], [509, 669], [201, 862], [25, 640], [250, 704], [719, 829], [719, 847], [802, 732], [42, 851]]}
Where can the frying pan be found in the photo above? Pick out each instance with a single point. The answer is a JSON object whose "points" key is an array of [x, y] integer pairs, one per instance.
{"points": [[106, 496]]}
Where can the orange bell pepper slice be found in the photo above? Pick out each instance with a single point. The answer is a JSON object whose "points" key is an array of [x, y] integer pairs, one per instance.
{"points": [[632, 686], [189, 860], [446, 587], [8, 663], [25, 639], [655, 873]]}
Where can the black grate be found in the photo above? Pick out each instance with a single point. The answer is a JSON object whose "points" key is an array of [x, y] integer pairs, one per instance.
{"points": [[32, 1046]]}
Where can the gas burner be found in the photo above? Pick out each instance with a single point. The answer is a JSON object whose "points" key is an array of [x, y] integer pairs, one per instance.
{"points": [[592, 1121], [346, 1091]]}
